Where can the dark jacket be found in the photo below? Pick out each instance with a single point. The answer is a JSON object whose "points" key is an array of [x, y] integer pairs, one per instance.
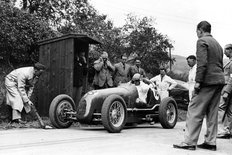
{"points": [[134, 69], [209, 61], [121, 73], [228, 78], [80, 71]]}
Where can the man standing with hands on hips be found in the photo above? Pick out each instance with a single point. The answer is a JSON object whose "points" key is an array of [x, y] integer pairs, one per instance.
{"points": [[209, 82]]}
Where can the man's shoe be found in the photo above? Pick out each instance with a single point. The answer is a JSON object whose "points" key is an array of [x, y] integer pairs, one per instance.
{"points": [[207, 146], [18, 121], [184, 146], [21, 121], [224, 136]]}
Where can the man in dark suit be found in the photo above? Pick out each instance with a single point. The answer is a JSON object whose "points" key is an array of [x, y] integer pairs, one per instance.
{"points": [[209, 82], [80, 71], [136, 68], [121, 71]]}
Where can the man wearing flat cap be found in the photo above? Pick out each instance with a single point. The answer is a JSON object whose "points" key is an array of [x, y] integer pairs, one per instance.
{"points": [[136, 68], [19, 87], [103, 69], [225, 105]]}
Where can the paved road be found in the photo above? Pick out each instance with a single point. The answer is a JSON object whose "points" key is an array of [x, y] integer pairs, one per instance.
{"points": [[142, 140]]}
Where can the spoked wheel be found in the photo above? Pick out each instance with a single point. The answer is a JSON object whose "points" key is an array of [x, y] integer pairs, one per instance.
{"points": [[57, 111], [168, 113], [114, 113]]}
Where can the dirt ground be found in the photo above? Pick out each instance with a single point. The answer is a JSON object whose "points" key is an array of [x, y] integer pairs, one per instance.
{"points": [[33, 123]]}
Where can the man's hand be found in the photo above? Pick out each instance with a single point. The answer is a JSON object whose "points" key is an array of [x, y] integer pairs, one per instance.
{"points": [[196, 88], [84, 59], [30, 103], [108, 63], [225, 96]]}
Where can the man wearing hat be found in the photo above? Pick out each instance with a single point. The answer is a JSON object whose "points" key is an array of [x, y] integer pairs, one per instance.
{"points": [[103, 69], [19, 87], [142, 89], [137, 69], [225, 105], [164, 83]]}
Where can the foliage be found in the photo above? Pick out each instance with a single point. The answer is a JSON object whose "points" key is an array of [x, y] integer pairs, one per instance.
{"points": [[144, 40], [19, 33]]}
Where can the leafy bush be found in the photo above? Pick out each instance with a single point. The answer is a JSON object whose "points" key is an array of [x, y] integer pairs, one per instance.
{"points": [[19, 33]]}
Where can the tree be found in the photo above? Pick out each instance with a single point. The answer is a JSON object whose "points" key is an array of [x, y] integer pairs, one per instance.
{"points": [[144, 40], [20, 32]]}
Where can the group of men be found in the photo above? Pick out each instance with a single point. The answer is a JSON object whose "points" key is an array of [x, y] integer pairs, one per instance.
{"points": [[210, 92], [108, 75], [210, 86]]}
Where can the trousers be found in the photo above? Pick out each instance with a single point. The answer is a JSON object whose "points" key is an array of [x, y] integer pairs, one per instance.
{"points": [[205, 103]]}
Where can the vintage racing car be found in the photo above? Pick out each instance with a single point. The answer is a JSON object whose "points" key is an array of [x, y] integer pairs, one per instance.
{"points": [[114, 108]]}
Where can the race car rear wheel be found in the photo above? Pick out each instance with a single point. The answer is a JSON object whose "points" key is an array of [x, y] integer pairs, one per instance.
{"points": [[114, 113], [59, 105], [168, 113]]}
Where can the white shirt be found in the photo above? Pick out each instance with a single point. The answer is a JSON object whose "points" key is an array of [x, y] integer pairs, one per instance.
{"points": [[163, 85], [191, 80], [142, 91]]}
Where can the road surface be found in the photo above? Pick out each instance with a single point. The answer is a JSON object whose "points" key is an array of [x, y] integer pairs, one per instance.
{"points": [[142, 140]]}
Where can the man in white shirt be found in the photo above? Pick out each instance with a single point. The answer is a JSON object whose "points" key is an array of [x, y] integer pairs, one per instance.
{"points": [[142, 88], [191, 60], [164, 83]]}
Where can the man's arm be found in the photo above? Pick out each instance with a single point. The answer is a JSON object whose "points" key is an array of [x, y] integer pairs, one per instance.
{"points": [[172, 82], [228, 87], [202, 58], [21, 79], [98, 64], [110, 66]]}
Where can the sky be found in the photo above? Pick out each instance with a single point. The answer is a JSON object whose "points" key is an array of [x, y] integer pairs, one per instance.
{"points": [[175, 18]]}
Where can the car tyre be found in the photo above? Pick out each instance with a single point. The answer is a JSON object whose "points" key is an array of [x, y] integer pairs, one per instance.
{"points": [[56, 111], [114, 113], [168, 113]]}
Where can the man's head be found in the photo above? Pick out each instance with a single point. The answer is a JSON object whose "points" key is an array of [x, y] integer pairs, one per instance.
{"points": [[228, 50], [136, 79], [191, 60], [81, 54], [39, 69], [137, 62], [163, 70], [123, 58], [104, 56], [202, 28]]}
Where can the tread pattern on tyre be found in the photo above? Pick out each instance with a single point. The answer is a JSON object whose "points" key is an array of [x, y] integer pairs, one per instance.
{"points": [[105, 110], [162, 113], [53, 107]]}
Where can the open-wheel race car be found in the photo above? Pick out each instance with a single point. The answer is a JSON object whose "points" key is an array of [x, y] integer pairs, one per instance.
{"points": [[114, 108]]}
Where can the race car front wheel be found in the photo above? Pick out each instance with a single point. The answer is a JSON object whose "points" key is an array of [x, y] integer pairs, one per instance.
{"points": [[168, 113], [114, 113], [59, 105]]}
